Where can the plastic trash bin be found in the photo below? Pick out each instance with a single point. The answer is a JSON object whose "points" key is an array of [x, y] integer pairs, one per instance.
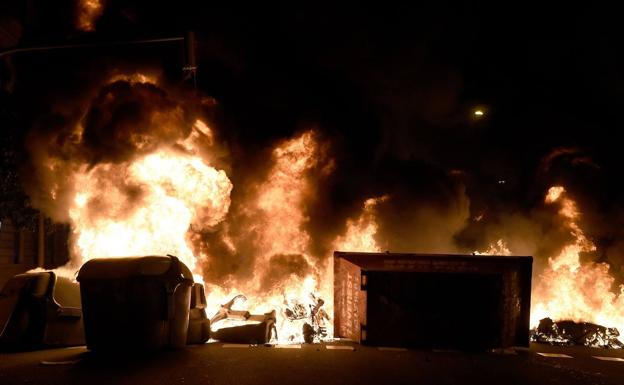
{"points": [[135, 303], [199, 324], [40, 310]]}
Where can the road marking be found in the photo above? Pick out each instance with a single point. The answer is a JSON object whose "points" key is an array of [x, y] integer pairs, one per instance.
{"points": [[58, 362], [503, 351], [554, 355], [338, 347], [288, 346], [609, 358], [392, 349], [235, 345]]}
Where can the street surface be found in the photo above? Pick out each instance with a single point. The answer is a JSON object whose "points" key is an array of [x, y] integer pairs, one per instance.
{"points": [[331, 363]]}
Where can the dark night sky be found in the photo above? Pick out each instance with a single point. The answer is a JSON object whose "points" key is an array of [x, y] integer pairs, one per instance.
{"points": [[392, 85]]}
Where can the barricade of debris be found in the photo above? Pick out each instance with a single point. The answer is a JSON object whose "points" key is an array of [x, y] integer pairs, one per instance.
{"points": [[567, 333], [244, 327], [314, 329]]}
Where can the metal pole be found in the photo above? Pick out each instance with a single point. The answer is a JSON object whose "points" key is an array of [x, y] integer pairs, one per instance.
{"points": [[41, 242]]}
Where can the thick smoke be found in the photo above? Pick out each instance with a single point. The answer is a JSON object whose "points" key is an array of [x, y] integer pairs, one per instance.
{"points": [[537, 228]]}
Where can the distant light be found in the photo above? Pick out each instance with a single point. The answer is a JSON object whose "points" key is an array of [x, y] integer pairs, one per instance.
{"points": [[478, 113]]}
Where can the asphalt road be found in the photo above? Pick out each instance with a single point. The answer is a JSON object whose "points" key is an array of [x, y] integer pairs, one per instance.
{"points": [[216, 363]]}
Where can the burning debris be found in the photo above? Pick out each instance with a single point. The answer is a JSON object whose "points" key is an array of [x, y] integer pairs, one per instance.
{"points": [[114, 178], [240, 326], [570, 287], [315, 327], [566, 333]]}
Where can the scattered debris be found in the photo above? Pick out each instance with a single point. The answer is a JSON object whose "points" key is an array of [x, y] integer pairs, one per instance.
{"points": [[315, 330], [256, 328], [566, 333], [297, 312], [308, 316], [226, 312]]}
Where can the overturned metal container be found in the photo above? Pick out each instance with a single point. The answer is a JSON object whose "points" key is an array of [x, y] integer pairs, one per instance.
{"points": [[39, 310], [465, 302], [141, 303]]}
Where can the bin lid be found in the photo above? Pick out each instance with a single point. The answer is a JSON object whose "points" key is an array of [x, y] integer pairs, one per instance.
{"points": [[125, 267]]}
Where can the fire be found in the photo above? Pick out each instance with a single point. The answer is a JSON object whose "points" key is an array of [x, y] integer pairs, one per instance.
{"points": [[282, 196], [88, 12], [498, 248], [161, 197], [146, 206], [360, 234], [569, 289], [277, 223]]}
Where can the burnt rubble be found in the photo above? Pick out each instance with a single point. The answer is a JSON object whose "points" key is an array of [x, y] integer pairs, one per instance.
{"points": [[255, 328], [567, 333], [262, 329], [314, 329]]}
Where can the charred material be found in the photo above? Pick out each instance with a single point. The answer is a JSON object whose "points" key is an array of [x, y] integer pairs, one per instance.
{"points": [[257, 328], [226, 312], [567, 333], [314, 330], [260, 329]]}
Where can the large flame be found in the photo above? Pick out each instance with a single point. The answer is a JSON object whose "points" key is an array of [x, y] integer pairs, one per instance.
{"points": [[146, 206], [87, 13], [361, 232], [278, 223], [158, 203], [571, 289]]}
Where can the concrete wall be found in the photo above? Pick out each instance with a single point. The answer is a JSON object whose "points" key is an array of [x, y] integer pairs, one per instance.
{"points": [[20, 249]]}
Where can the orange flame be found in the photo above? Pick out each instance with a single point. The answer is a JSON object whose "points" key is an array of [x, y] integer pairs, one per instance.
{"points": [[158, 203], [145, 207], [360, 234], [569, 289], [497, 248], [88, 12], [278, 225]]}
